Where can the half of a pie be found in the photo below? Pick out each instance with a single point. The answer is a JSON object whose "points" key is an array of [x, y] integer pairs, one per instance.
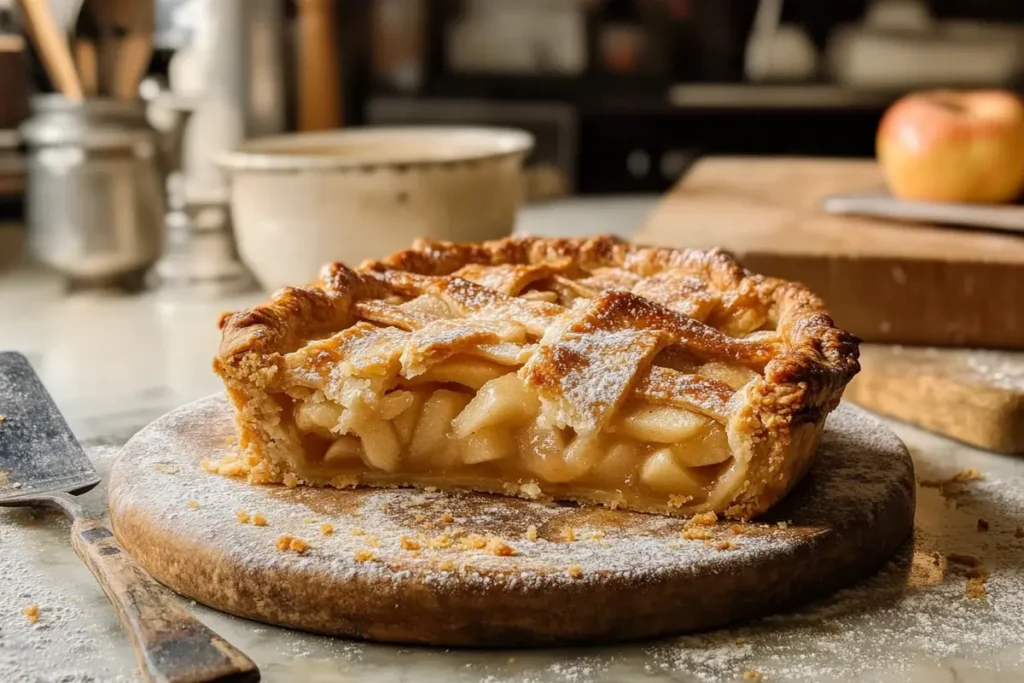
{"points": [[589, 370]]}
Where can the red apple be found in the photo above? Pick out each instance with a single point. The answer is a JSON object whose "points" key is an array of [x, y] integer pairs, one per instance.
{"points": [[950, 146]]}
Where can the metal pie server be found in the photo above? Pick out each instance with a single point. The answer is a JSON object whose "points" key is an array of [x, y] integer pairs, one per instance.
{"points": [[42, 464]]}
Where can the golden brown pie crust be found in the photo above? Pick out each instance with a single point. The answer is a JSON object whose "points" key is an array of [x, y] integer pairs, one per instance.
{"points": [[701, 301]]}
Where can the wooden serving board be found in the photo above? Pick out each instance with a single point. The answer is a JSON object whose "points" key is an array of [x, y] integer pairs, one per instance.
{"points": [[625, 575], [885, 281], [971, 395]]}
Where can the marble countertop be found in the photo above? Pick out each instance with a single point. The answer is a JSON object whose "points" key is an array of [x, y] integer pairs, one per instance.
{"points": [[115, 363]]}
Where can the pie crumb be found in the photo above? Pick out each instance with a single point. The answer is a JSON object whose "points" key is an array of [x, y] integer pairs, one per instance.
{"points": [[736, 529], [364, 555], [597, 535], [752, 675], [326, 529], [678, 500], [242, 516], [290, 480], [409, 543], [725, 545], [297, 545], [419, 519], [976, 587], [446, 566], [531, 490], [308, 520], [703, 519], [696, 534], [373, 541], [982, 524], [31, 613], [442, 541], [531, 532], [568, 534], [575, 571], [356, 531], [447, 518], [259, 520], [782, 525], [474, 542], [193, 505], [497, 546]]}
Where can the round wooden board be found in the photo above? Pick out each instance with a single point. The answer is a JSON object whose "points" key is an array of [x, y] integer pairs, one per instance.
{"points": [[625, 575]]}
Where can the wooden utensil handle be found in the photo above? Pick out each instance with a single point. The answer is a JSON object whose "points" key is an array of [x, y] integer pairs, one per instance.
{"points": [[172, 646]]}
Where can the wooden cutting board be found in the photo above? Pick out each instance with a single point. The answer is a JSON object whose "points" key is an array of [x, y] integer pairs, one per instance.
{"points": [[974, 396], [591, 575], [885, 281]]}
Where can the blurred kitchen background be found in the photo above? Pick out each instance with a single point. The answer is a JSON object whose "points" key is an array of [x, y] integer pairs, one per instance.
{"points": [[621, 96]]}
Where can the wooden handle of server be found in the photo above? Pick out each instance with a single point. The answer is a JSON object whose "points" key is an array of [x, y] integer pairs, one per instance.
{"points": [[172, 646]]}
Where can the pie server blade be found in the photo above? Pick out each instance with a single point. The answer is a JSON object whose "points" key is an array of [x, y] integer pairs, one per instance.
{"points": [[41, 463], [38, 453]]}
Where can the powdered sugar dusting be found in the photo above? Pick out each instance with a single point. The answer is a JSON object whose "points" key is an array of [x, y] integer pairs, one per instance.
{"points": [[602, 550]]}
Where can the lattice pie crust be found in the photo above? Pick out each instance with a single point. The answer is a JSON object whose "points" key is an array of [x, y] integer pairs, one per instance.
{"points": [[590, 370]]}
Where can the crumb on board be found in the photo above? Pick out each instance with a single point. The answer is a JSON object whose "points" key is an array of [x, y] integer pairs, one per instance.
{"points": [[531, 532], [530, 490], [193, 505], [696, 534], [259, 520], [447, 518], [31, 613], [290, 480], [568, 534], [365, 555], [473, 542], [702, 519], [725, 545], [242, 516], [442, 541], [372, 541], [736, 529], [575, 571], [752, 675], [409, 543], [498, 546], [982, 524], [976, 587], [326, 529], [288, 543]]}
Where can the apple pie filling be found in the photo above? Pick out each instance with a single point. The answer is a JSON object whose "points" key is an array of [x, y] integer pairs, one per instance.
{"points": [[472, 422]]}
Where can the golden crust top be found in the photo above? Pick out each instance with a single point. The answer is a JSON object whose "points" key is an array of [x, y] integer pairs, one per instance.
{"points": [[668, 287]]}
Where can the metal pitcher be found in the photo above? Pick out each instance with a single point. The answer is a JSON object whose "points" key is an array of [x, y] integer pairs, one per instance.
{"points": [[96, 188]]}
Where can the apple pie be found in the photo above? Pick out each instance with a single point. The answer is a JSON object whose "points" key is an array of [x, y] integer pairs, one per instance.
{"points": [[588, 370]]}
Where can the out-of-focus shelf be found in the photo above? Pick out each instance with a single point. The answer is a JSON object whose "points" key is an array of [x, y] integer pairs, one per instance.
{"points": [[770, 96]]}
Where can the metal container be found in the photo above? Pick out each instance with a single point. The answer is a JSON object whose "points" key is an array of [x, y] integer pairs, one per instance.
{"points": [[95, 188]]}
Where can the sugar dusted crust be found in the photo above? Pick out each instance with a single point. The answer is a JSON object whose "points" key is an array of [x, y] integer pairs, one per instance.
{"points": [[703, 302]]}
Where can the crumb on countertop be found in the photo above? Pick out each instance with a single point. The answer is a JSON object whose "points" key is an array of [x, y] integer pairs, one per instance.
{"points": [[782, 525], [531, 532], [242, 516], [446, 565], [31, 613], [752, 675], [568, 534], [736, 529], [259, 520], [193, 505], [696, 534], [409, 543], [575, 571], [447, 518], [326, 529], [290, 480]]}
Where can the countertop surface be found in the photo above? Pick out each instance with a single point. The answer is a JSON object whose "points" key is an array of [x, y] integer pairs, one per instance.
{"points": [[114, 363]]}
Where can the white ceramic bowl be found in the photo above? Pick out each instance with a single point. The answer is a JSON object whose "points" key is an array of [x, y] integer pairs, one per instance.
{"points": [[299, 201]]}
